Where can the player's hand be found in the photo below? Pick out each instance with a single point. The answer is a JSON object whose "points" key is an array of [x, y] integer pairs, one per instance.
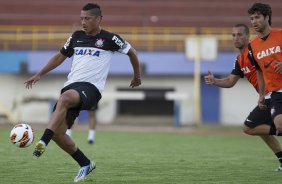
{"points": [[209, 79], [278, 67], [261, 103], [31, 81], [136, 81]]}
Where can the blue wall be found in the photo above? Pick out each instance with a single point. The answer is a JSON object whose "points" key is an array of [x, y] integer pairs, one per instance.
{"points": [[155, 64], [10, 62], [210, 96]]}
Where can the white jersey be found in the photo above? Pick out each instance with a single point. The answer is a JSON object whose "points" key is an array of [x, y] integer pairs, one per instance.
{"points": [[92, 56]]}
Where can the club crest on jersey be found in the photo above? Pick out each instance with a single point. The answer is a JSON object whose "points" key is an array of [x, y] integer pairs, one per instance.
{"points": [[87, 52], [99, 43], [269, 51]]}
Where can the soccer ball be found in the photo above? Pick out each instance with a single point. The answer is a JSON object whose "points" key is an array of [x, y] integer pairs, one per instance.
{"points": [[22, 135]]}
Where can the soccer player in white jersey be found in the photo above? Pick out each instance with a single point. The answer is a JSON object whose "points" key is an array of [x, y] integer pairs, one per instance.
{"points": [[92, 49]]}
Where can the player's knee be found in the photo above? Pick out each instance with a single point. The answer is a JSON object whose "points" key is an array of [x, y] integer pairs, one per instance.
{"points": [[248, 130], [278, 123], [279, 127], [65, 100]]}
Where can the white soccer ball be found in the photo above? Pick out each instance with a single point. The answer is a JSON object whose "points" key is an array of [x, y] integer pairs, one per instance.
{"points": [[22, 135]]}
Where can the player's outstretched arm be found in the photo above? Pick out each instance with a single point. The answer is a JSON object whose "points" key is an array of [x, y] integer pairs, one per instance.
{"points": [[53, 63], [136, 81], [226, 82]]}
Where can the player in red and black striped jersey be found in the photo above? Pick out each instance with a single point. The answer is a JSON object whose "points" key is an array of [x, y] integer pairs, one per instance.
{"points": [[91, 49], [265, 53], [259, 122]]}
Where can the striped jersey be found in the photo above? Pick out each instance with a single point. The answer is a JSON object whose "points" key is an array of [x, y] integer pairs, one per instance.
{"points": [[92, 56]]}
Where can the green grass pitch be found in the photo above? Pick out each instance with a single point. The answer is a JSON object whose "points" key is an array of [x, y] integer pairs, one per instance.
{"points": [[145, 158]]}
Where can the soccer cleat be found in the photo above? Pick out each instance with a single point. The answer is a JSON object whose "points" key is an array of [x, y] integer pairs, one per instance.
{"points": [[90, 142], [279, 169], [39, 149], [84, 171]]}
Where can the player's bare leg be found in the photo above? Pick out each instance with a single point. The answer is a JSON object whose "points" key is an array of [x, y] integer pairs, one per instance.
{"points": [[67, 144], [92, 127], [263, 132], [278, 125], [278, 122], [272, 142], [67, 100], [275, 146], [258, 130], [63, 140]]}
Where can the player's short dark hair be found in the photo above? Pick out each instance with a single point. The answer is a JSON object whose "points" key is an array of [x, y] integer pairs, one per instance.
{"points": [[246, 28], [261, 8], [94, 8]]}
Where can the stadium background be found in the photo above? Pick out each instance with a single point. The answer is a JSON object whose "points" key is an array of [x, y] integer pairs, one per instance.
{"points": [[32, 31]]}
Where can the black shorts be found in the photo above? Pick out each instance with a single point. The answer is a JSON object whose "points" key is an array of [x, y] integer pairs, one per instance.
{"points": [[89, 98], [94, 108], [258, 116], [276, 104]]}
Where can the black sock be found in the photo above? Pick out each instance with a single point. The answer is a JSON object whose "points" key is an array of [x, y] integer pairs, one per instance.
{"points": [[47, 136], [80, 158], [279, 156]]}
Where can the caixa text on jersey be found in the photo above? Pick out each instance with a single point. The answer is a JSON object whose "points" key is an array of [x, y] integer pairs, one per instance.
{"points": [[91, 52]]}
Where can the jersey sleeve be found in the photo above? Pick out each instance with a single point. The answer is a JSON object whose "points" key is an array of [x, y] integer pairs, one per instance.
{"points": [[68, 48], [237, 69], [251, 57], [120, 45]]}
